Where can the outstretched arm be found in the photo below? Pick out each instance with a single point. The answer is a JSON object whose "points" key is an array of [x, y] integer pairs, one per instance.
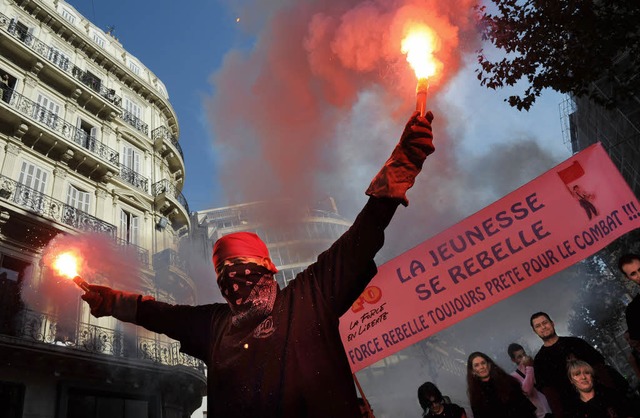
{"points": [[175, 321]]}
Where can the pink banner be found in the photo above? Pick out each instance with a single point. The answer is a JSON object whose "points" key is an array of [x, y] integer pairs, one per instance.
{"points": [[552, 222]]}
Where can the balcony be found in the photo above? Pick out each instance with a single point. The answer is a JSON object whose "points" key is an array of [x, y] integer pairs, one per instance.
{"points": [[32, 326], [47, 207], [134, 121], [172, 276], [171, 202], [134, 178], [142, 254], [62, 63], [48, 128], [95, 84], [169, 147]]}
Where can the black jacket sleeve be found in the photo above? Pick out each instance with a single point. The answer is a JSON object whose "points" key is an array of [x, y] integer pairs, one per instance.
{"points": [[342, 272], [191, 325]]}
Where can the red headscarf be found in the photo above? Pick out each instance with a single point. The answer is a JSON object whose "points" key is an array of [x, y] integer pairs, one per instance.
{"points": [[241, 244]]}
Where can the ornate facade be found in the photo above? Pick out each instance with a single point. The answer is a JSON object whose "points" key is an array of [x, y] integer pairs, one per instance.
{"points": [[88, 143]]}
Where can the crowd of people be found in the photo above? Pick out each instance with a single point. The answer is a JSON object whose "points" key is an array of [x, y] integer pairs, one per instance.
{"points": [[567, 378]]}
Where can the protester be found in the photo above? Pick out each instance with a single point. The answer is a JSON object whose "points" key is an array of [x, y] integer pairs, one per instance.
{"points": [[551, 361], [273, 352], [493, 393], [594, 401], [524, 373], [629, 265], [434, 404]]}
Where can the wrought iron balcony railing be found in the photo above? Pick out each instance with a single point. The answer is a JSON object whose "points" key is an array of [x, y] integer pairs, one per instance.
{"points": [[134, 121], [163, 133], [142, 254], [165, 186], [169, 258], [58, 59], [95, 84], [69, 132], [134, 178], [43, 328], [46, 206]]}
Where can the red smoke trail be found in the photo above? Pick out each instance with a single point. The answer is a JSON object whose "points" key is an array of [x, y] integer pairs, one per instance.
{"points": [[277, 107], [100, 261]]}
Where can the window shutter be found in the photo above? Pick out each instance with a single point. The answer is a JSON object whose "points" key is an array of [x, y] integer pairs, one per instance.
{"points": [[33, 177], [123, 226], [134, 229]]}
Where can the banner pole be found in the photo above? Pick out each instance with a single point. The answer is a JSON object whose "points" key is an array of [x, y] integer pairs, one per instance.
{"points": [[364, 398]]}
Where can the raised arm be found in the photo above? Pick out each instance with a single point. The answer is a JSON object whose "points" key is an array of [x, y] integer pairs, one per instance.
{"points": [[343, 271], [529, 380]]}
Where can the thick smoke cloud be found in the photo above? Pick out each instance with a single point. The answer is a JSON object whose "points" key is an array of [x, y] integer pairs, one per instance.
{"points": [[277, 106]]}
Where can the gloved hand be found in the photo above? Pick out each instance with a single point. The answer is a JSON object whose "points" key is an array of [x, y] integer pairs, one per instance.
{"points": [[399, 172], [105, 301]]}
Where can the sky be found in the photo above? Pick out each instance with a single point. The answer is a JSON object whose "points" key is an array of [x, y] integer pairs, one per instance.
{"points": [[307, 99]]}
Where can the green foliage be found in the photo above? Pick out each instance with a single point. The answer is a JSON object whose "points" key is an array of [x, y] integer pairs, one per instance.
{"points": [[565, 45]]}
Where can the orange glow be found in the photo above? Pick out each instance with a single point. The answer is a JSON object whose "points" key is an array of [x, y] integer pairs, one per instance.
{"points": [[66, 264], [420, 43]]}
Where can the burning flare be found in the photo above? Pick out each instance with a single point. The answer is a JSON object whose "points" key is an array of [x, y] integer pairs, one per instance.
{"points": [[66, 264], [419, 45]]}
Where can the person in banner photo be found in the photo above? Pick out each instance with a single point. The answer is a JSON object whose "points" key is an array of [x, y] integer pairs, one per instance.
{"points": [[593, 400], [434, 405], [524, 373], [551, 361], [274, 352], [493, 393], [585, 199], [569, 176]]}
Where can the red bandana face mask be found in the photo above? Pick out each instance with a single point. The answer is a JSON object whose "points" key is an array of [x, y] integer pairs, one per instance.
{"points": [[249, 289]]}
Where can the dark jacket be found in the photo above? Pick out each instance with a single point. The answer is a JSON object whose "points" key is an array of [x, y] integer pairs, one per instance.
{"points": [[632, 313], [550, 366], [605, 404], [292, 364]]}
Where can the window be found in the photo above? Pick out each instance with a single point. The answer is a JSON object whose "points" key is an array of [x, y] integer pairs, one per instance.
{"points": [[21, 31], [92, 81], [31, 187], [46, 111], [86, 134], [134, 67], [70, 17], [59, 58], [129, 227], [33, 177], [131, 158], [130, 167], [132, 108], [99, 39], [78, 199]]}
